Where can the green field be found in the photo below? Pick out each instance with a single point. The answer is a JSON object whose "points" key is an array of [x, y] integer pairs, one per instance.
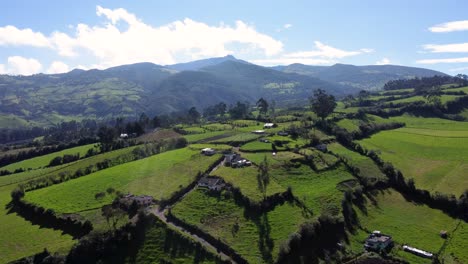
{"points": [[352, 125], [161, 245], [115, 157], [238, 138], [19, 238], [246, 180], [274, 161], [193, 138], [218, 216], [463, 89], [173, 170], [419, 229], [318, 191], [43, 161], [367, 168], [432, 151]]}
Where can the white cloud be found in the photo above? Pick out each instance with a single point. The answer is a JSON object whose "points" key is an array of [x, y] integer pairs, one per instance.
{"points": [[58, 67], [286, 26], [437, 61], [459, 47], [461, 69], [383, 61], [18, 65], [325, 51], [10, 35], [450, 26], [166, 44], [322, 55]]}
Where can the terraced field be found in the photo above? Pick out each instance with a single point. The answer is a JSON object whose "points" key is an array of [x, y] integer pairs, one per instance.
{"points": [[318, 191], [173, 170], [43, 161], [367, 168], [419, 229], [430, 150], [19, 238], [257, 238]]}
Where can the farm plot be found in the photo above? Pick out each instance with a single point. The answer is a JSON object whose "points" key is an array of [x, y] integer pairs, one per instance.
{"points": [[222, 218], [158, 176], [434, 154], [246, 180], [43, 161], [19, 238], [367, 168], [419, 229], [318, 191]]}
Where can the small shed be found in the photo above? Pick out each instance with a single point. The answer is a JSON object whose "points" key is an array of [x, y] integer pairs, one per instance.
{"points": [[378, 242], [212, 183], [259, 132], [208, 151], [269, 125]]}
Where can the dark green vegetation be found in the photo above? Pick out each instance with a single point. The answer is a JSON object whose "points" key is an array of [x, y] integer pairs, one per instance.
{"points": [[315, 187], [132, 89], [370, 77]]}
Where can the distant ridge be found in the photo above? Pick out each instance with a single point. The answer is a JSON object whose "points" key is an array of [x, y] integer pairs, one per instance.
{"points": [[129, 90], [369, 77], [198, 64]]}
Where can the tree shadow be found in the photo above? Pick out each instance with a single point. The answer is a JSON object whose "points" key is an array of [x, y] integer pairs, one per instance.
{"points": [[265, 242]]}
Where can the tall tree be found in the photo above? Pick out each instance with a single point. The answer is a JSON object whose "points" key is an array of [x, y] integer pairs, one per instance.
{"points": [[193, 115], [322, 103], [262, 106], [239, 111], [106, 137], [263, 177], [144, 120]]}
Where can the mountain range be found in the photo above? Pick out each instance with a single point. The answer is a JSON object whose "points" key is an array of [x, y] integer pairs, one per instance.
{"points": [[128, 90]]}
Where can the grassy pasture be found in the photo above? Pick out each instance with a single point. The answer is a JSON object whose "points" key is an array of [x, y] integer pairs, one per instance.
{"points": [[318, 191], [397, 91], [274, 161], [246, 180], [218, 216], [116, 157], [420, 228], [159, 176], [367, 167], [432, 151], [158, 247], [238, 138], [19, 238], [463, 89], [194, 138], [44, 160]]}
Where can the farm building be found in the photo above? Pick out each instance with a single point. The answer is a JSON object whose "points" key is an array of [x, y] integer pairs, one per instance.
{"points": [[418, 252], [124, 135], [259, 132], [269, 125], [208, 151], [378, 242], [212, 183], [141, 200], [234, 160], [283, 133]]}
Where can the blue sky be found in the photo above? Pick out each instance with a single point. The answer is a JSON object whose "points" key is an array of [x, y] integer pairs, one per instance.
{"points": [[57, 36]]}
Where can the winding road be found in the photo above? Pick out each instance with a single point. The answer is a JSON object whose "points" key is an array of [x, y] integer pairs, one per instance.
{"points": [[161, 214]]}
